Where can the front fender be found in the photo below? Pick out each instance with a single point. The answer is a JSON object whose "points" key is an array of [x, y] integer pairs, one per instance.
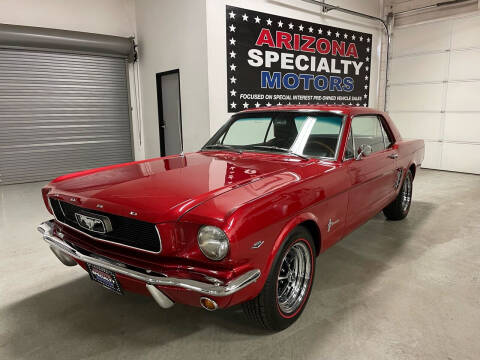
{"points": [[289, 226]]}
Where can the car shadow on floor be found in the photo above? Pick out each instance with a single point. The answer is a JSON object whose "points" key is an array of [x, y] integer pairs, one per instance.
{"points": [[80, 319]]}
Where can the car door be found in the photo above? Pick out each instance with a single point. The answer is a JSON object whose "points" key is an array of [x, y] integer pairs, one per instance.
{"points": [[372, 176]]}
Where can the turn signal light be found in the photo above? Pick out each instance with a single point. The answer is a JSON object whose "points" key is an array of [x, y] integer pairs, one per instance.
{"points": [[208, 304]]}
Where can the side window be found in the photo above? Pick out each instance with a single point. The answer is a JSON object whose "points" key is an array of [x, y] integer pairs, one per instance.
{"points": [[367, 130], [349, 150]]}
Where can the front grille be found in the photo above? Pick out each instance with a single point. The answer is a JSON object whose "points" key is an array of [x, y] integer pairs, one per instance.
{"points": [[125, 231]]}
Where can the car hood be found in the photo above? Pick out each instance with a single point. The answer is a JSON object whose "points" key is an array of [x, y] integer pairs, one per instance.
{"points": [[162, 189]]}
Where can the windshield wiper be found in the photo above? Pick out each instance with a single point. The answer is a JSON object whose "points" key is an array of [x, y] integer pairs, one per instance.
{"points": [[222, 146], [288, 151]]}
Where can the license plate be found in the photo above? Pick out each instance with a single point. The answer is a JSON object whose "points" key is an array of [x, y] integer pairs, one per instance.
{"points": [[104, 277]]}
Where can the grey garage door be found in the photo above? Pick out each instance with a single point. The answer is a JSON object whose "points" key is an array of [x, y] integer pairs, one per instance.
{"points": [[60, 113]]}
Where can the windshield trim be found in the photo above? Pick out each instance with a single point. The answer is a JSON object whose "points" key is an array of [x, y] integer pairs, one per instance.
{"points": [[311, 112]]}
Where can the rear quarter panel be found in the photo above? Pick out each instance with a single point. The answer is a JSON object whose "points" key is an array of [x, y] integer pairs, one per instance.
{"points": [[410, 152]]}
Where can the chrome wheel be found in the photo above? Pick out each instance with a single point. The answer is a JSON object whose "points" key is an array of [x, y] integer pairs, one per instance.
{"points": [[406, 193], [294, 278]]}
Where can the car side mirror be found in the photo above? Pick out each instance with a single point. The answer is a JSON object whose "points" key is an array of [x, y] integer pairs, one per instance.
{"points": [[363, 150]]}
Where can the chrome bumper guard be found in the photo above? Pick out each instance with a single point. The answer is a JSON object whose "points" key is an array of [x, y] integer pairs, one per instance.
{"points": [[215, 289]]}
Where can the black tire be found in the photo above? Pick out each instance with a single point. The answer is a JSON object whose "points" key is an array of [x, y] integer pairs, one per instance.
{"points": [[399, 208], [267, 309]]}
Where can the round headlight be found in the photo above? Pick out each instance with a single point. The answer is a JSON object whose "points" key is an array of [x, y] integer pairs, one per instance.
{"points": [[213, 242]]}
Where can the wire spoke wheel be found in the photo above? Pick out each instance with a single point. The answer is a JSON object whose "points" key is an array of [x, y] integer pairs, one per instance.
{"points": [[293, 278], [288, 285], [406, 195]]}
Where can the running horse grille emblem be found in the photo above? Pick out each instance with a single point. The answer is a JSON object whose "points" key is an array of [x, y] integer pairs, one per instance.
{"points": [[92, 222]]}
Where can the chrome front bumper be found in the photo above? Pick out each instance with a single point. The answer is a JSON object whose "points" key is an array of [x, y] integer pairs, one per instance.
{"points": [[62, 249]]}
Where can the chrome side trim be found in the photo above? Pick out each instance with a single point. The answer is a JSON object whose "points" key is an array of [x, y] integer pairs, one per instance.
{"points": [[107, 241], [242, 281]]}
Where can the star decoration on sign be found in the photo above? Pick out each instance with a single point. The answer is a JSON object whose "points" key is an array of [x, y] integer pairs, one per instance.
{"points": [[290, 26], [320, 31], [300, 27], [310, 29], [233, 105], [232, 41], [233, 79], [257, 20], [232, 15], [329, 32], [233, 54], [269, 22], [337, 34], [245, 17], [257, 104], [245, 105], [232, 28], [280, 24], [233, 67], [233, 92]]}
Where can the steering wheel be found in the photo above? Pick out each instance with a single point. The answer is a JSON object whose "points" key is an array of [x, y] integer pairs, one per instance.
{"points": [[325, 146]]}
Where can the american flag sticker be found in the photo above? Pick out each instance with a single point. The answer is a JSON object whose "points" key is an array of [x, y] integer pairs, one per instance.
{"points": [[274, 60]]}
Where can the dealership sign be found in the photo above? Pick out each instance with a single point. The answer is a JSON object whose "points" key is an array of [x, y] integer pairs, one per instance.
{"points": [[273, 60]]}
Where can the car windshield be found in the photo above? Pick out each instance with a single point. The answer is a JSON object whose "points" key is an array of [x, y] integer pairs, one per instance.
{"points": [[295, 133]]}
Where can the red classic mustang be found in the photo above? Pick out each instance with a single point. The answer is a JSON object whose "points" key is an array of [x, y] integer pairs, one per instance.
{"points": [[243, 219]]}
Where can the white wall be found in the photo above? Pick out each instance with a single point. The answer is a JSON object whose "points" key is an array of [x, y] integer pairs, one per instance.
{"points": [[172, 35], [217, 72], [109, 17]]}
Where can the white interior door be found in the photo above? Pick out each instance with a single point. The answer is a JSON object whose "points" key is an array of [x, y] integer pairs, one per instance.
{"points": [[434, 90]]}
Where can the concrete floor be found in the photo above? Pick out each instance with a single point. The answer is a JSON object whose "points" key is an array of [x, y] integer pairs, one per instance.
{"points": [[390, 290]]}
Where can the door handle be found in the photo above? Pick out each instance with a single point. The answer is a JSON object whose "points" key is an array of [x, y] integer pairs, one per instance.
{"points": [[393, 156]]}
